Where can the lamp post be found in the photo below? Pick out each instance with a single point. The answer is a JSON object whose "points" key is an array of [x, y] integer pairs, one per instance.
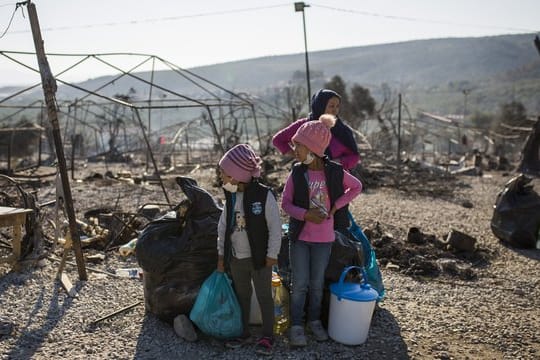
{"points": [[300, 6]]}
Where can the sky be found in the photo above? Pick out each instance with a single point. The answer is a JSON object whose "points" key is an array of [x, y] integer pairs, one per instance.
{"points": [[203, 32]]}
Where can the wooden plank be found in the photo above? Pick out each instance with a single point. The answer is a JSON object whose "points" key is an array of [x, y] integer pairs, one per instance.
{"points": [[15, 218], [31, 129], [67, 285], [48, 84]]}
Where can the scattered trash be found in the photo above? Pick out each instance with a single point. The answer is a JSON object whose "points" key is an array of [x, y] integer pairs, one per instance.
{"points": [[129, 248], [455, 268], [133, 273], [96, 258], [150, 211], [93, 323], [67, 285]]}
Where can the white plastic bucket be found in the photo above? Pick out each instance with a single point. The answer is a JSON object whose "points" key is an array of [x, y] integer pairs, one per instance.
{"points": [[351, 309]]}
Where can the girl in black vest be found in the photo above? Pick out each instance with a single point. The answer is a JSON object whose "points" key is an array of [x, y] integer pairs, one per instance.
{"points": [[249, 239]]}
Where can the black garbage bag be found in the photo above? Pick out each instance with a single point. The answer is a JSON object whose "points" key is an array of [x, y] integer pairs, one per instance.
{"points": [[530, 156], [177, 252], [345, 252], [516, 216]]}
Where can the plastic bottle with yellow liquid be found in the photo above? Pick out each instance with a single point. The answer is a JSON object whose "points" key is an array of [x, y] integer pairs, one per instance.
{"points": [[281, 307]]}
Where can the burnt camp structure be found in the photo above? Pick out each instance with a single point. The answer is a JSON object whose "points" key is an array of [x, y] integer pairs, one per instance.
{"points": [[163, 121]]}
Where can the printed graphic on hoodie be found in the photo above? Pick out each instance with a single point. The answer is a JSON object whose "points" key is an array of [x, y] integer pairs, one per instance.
{"points": [[318, 195]]}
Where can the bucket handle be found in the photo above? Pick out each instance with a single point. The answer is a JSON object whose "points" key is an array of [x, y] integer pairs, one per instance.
{"points": [[360, 269]]}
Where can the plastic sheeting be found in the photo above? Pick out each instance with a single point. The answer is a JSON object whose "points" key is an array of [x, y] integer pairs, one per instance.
{"points": [[177, 253], [216, 311], [530, 159], [516, 217]]}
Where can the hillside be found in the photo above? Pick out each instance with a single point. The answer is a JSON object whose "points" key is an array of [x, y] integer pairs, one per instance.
{"points": [[430, 73]]}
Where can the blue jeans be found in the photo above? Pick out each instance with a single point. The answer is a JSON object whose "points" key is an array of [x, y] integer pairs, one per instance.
{"points": [[308, 264]]}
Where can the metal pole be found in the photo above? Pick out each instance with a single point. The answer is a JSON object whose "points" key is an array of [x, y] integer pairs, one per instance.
{"points": [[300, 6], [399, 132], [150, 110], [465, 93], [49, 89], [307, 59], [145, 137]]}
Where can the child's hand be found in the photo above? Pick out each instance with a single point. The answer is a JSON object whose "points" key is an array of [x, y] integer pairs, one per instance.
{"points": [[315, 215], [270, 262], [332, 211], [220, 266]]}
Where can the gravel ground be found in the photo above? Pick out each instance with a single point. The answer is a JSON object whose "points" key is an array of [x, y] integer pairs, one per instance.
{"points": [[495, 316]]}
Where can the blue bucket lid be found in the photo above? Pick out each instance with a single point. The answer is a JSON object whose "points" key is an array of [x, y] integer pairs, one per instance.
{"points": [[355, 292]]}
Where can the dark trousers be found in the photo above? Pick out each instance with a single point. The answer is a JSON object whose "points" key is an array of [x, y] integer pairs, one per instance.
{"points": [[243, 273]]}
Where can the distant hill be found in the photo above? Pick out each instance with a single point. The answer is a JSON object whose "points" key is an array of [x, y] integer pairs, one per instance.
{"points": [[428, 72], [426, 62], [431, 74]]}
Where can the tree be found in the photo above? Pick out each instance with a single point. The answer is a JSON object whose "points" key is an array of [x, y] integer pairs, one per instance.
{"points": [[356, 108], [513, 114], [362, 105], [481, 120], [338, 85]]}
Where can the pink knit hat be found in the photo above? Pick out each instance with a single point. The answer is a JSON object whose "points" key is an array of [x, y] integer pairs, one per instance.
{"points": [[316, 135], [241, 163]]}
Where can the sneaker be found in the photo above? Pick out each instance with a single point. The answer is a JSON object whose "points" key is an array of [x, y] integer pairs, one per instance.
{"points": [[238, 342], [298, 338], [183, 327], [318, 331], [264, 346]]}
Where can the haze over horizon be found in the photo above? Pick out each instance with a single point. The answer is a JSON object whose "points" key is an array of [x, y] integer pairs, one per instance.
{"points": [[205, 33]]}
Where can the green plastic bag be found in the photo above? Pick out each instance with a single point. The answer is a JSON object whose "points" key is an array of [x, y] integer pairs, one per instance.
{"points": [[216, 311]]}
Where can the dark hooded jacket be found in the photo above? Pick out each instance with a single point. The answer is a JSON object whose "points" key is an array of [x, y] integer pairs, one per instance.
{"points": [[342, 132]]}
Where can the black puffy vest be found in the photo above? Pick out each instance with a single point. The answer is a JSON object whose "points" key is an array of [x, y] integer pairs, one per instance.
{"points": [[334, 182], [255, 195]]}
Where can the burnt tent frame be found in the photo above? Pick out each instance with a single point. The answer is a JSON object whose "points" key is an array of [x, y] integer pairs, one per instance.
{"points": [[161, 97]]}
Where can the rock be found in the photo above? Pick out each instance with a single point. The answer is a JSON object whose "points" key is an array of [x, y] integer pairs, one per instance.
{"points": [[460, 241], [6, 327], [183, 327], [415, 236]]}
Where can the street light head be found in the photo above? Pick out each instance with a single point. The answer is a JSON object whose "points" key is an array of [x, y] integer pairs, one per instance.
{"points": [[299, 6]]}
